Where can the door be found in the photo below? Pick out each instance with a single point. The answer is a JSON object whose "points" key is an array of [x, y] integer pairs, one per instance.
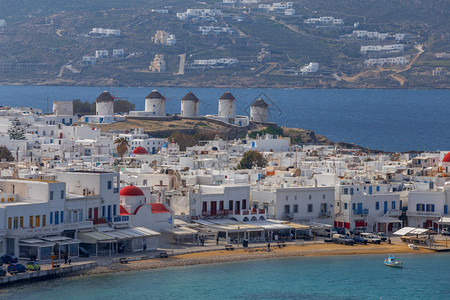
{"points": [[385, 206], [238, 206], [359, 205], [213, 208], [96, 213], [109, 213], [370, 190]]}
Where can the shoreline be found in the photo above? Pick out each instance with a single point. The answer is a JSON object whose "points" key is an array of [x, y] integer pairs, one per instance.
{"points": [[240, 254], [72, 84]]}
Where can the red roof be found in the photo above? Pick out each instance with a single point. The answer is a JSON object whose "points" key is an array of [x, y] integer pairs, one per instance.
{"points": [[446, 158], [140, 150], [123, 211], [131, 190], [158, 208]]}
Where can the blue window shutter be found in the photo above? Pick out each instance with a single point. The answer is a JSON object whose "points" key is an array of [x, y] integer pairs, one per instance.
{"points": [[62, 217], [418, 207], [445, 209], [51, 217]]}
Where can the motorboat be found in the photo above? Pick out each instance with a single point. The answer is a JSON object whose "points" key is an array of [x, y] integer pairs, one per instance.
{"points": [[412, 246], [392, 262]]}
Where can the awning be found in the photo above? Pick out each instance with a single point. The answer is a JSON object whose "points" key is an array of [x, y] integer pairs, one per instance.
{"points": [[387, 220], [444, 220], [410, 230], [270, 225], [32, 241], [298, 226], [184, 231], [94, 237], [147, 231]]}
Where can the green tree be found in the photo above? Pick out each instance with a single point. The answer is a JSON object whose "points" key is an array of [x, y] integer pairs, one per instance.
{"points": [[123, 106], [251, 159], [5, 154], [83, 108], [15, 131], [122, 146]]}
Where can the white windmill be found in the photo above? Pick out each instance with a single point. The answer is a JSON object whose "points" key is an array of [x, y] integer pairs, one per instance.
{"points": [[155, 104], [227, 106], [189, 106], [104, 104], [259, 111]]}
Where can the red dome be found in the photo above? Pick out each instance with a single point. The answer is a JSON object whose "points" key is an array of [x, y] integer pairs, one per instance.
{"points": [[140, 150], [131, 190], [446, 158]]}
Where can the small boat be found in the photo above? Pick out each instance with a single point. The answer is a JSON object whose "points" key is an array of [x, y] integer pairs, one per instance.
{"points": [[412, 246], [392, 262]]}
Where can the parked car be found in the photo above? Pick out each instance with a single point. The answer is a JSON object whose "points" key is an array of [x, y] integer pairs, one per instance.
{"points": [[371, 238], [358, 230], [2, 272], [359, 240], [342, 239], [8, 259], [16, 268], [382, 236], [445, 231], [340, 230], [33, 266], [83, 252]]}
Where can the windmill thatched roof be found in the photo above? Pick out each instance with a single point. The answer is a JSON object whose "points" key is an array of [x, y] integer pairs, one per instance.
{"points": [[154, 95], [190, 97], [105, 97], [259, 103], [227, 96]]}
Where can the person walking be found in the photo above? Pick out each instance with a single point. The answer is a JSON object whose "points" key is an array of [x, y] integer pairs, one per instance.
{"points": [[70, 260], [65, 259], [268, 247], [217, 240]]}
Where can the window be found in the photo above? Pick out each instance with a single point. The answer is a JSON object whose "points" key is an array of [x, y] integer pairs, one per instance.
{"points": [[51, 217], [230, 205], [21, 222], [377, 205], [9, 223], [353, 206], [346, 191], [62, 194], [62, 217], [16, 222], [205, 206], [378, 188], [114, 209], [393, 204], [310, 197], [44, 220], [244, 204], [432, 207], [221, 205], [51, 195], [295, 197], [295, 208], [323, 196], [103, 210], [31, 221], [81, 215], [345, 205], [310, 208], [351, 192], [56, 217], [287, 198], [109, 185], [38, 221]]}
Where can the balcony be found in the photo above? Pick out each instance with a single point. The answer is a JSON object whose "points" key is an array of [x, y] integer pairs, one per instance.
{"points": [[361, 211], [325, 214], [214, 213]]}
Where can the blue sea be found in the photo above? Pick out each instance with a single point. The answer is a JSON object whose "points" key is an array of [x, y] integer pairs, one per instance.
{"points": [[332, 277], [390, 120]]}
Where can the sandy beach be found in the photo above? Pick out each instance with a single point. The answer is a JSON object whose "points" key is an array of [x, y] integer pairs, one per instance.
{"points": [[223, 256]]}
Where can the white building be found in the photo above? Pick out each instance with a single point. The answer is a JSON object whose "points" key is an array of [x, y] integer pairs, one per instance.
{"points": [[401, 60], [324, 21], [2, 23], [105, 32], [89, 60], [310, 68], [118, 53], [311, 204], [227, 106], [383, 48], [101, 54], [104, 106]]}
